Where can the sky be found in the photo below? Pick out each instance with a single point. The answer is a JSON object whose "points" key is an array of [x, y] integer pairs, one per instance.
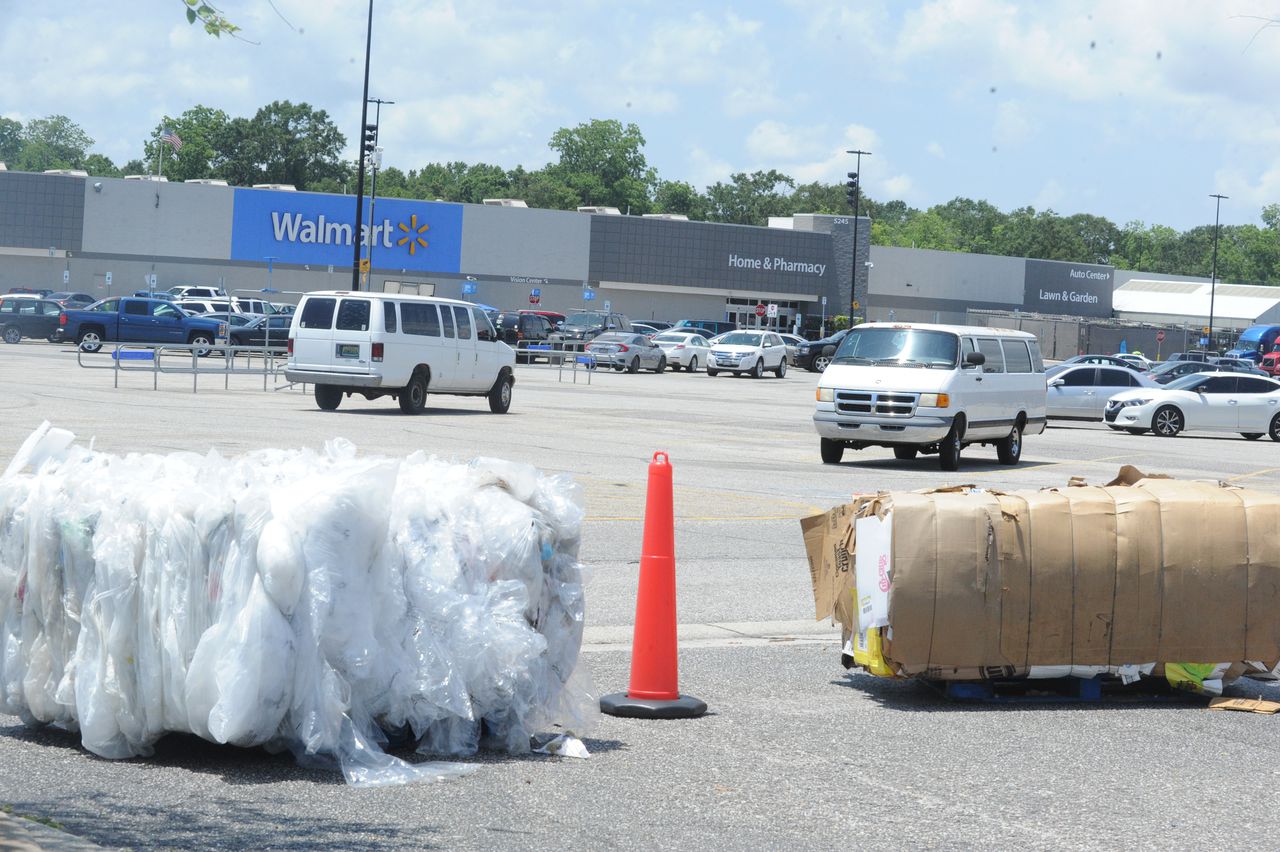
{"points": [[1136, 111]]}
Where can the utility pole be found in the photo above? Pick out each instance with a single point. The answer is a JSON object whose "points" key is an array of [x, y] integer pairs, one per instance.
{"points": [[855, 197], [1213, 280], [364, 130]]}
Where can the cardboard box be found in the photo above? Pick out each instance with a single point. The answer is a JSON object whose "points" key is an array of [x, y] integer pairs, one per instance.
{"points": [[1142, 570]]}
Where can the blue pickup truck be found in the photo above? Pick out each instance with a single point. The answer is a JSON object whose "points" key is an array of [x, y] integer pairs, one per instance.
{"points": [[135, 320]]}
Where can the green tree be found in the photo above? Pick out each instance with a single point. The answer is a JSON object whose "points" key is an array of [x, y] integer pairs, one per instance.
{"points": [[677, 196], [972, 224], [55, 142], [100, 166], [10, 140], [604, 163], [202, 131], [282, 143], [750, 199], [544, 188], [821, 198]]}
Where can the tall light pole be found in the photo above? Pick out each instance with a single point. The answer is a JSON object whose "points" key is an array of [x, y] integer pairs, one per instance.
{"points": [[1213, 280], [376, 156], [364, 117], [855, 197]]}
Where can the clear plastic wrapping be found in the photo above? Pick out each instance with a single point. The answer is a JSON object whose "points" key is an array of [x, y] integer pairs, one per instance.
{"points": [[316, 601]]}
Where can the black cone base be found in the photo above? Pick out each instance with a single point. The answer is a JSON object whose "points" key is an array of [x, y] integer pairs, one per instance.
{"points": [[684, 707]]}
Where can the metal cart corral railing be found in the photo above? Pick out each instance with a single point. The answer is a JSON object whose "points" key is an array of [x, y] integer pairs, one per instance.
{"points": [[185, 359]]}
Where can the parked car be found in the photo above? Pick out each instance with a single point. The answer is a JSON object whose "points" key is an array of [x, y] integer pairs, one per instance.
{"points": [[1214, 402], [660, 325], [134, 320], [553, 317], [1193, 355], [28, 317], [205, 306], [192, 291], [580, 328], [931, 389], [155, 294], [644, 328], [625, 350], [1238, 365], [518, 330], [1171, 370], [1081, 391], [748, 353], [684, 349], [251, 306], [711, 327], [815, 355], [72, 300], [397, 345], [232, 319], [271, 330], [793, 342], [1138, 362], [1108, 360]]}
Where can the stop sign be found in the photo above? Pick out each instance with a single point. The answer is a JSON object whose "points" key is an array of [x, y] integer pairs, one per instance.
{"points": [[760, 309], [1160, 336]]}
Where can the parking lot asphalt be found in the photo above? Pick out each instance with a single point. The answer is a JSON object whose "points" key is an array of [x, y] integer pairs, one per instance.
{"points": [[795, 752]]}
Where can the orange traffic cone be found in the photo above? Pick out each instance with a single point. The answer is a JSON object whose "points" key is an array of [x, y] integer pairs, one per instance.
{"points": [[654, 691]]}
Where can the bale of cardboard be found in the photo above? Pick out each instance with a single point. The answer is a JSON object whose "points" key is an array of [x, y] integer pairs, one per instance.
{"points": [[1143, 576], [323, 602]]}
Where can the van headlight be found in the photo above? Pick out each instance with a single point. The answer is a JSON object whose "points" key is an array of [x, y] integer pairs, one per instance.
{"points": [[826, 394], [934, 400]]}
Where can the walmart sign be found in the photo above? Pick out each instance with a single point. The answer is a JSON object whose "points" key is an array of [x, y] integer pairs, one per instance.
{"points": [[320, 229]]}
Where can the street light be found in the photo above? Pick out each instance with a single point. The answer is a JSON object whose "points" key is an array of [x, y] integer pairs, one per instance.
{"points": [[855, 197], [375, 163], [364, 118], [1213, 280]]}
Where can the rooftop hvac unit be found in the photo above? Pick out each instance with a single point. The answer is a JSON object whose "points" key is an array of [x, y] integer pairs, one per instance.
{"points": [[207, 181], [505, 202], [159, 178], [283, 187], [673, 217], [604, 211], [67, 172]]}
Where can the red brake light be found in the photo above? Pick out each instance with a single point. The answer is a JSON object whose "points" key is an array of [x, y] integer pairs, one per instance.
{"points": [[622, 347], [290, 345], [62, 318], [376, 352]]}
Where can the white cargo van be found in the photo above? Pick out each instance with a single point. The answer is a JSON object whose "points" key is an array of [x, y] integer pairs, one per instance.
{"points": [[387, 344], [931, 389]]}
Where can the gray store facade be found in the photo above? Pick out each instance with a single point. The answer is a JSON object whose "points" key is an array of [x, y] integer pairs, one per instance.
{"points": [[106, 236]]}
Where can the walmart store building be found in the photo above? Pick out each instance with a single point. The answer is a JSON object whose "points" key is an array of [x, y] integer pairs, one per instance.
{"points": [[105, 236]]}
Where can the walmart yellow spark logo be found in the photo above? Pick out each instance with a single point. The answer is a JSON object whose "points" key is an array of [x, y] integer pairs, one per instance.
{"points": [[413, 234]]}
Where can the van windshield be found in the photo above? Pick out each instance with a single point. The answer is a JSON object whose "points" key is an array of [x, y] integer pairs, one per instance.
{"points": [[899, 347]]}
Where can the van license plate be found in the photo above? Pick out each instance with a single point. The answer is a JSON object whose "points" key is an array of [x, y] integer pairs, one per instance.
{"points": [[348, 350]]}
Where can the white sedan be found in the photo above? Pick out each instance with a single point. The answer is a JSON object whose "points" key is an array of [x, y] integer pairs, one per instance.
{"points": [[749, 352], [1081, 392], [684, 349], [1214, 402]]}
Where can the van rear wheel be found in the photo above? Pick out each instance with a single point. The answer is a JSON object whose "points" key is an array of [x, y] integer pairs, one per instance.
{"points": [[413, 399], [328, 397], [1009, 449]]}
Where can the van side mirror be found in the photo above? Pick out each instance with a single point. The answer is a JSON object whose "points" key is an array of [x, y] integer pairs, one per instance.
{"points": [[974, 359]]}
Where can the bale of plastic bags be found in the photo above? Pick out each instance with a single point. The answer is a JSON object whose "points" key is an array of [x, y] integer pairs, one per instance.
{"points": [[323, 602]]}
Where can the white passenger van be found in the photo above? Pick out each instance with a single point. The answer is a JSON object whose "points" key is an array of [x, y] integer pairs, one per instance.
{"points": [[931, 389], [388, 344]]}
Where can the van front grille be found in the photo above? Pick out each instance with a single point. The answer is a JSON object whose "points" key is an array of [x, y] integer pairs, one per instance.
{"points": [[879, 403]]}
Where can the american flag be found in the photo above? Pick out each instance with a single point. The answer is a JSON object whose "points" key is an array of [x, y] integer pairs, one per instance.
{"points": [[172, 138]]}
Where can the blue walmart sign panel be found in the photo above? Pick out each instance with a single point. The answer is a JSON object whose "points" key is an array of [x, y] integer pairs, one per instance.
{"points": [[318, 229]]}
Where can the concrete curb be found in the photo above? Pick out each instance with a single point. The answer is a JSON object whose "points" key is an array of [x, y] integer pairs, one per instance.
{"points": [[24, 835]]}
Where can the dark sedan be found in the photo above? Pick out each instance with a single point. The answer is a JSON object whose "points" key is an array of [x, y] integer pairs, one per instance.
{"points": [[72, 300], [817, 354], [271, 330]]}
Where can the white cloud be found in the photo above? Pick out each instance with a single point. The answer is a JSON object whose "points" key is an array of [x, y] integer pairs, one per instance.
{"points": [[935, 149], [1050, 196], [704, 169], [1012, 126]]}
